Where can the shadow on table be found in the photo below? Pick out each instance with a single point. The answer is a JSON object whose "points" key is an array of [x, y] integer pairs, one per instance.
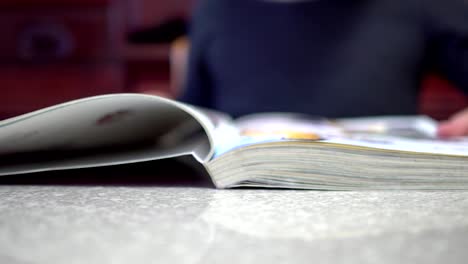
{"points": [[154, 173]]}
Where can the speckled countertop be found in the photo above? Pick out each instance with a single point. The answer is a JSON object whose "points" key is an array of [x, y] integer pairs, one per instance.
{"points": [[162, 224]]}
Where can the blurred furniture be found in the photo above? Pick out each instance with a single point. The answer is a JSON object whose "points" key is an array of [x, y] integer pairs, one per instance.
{"points": [[53, 51], [148, 65], [57, 50]]}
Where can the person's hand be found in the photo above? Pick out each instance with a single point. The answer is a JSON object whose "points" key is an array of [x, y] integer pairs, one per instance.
{"points": [[456, 126]]}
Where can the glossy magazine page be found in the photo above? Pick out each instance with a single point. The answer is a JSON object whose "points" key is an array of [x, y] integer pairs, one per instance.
{"points": [[397, 133]]}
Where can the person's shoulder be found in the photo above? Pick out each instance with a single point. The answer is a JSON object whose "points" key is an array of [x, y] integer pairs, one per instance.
{"points": [[411, 8], [448, 15], [213, 6], [213, 15], [209, 11], [433, 15]]}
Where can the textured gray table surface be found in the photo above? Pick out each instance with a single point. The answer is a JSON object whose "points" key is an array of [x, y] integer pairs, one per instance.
{"points": [[112, 224]]}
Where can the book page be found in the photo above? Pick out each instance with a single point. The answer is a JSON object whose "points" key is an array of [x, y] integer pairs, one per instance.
{"points": [[267, 127], [396, 133], [119, 121], [456, 146], [92, 122], [404, 126]]}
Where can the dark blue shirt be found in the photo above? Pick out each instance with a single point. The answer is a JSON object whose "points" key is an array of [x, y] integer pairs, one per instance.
{"points": [[333, 58]]}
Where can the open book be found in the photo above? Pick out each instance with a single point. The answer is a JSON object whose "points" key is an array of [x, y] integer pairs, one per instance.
{"points": [[264, 150]]}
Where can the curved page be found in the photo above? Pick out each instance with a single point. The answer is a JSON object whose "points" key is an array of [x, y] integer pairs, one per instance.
{"points": [[101, 131]]}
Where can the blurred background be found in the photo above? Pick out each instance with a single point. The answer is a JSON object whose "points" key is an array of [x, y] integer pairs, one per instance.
{"points": [[53, 51]]}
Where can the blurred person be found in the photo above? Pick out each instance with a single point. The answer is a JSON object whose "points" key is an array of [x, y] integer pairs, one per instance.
{"points": [[333, 58]]}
